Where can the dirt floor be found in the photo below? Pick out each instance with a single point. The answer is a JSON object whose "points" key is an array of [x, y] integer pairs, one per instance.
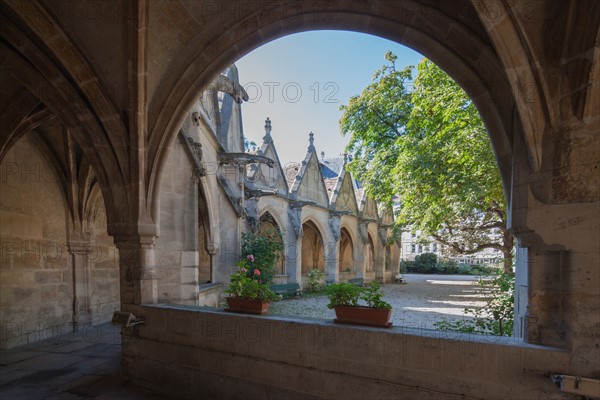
{"points": [[419, 303]]}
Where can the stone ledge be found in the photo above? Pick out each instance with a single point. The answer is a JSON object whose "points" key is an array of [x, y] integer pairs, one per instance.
{"points": [[383, 362]]}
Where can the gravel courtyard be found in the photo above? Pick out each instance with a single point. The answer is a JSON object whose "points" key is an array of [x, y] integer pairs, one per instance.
{"points": [[422, 301]]}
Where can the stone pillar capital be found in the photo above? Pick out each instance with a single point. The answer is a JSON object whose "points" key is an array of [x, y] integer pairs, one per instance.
{"points": [[82, 248], [134, 241]]}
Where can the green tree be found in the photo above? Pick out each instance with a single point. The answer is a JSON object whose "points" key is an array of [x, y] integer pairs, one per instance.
{"points": [[428, 145]]}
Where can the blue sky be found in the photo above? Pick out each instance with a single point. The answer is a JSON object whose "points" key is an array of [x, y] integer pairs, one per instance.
{"points": [[300, 81]]}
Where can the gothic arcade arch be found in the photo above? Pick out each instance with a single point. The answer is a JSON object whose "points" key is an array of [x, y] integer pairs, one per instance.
{"points": [[479, 72], [370, 254], [266, 223], [312, 248], [346, 251]]}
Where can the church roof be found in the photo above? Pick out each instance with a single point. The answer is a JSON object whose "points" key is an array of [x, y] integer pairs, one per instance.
{"points": [[291, 172], [331, 167]]}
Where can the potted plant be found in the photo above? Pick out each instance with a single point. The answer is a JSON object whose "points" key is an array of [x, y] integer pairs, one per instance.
{"points": [[345, 297], [247, 293]]}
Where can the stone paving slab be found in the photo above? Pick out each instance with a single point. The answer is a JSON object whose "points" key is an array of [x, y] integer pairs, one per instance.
{"points": [[8, 358], [74, 366]]}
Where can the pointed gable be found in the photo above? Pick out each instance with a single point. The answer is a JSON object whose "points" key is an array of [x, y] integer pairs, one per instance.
{"points": [[308, 184], [386, 215], [370, 209], [273, 178], [343, 196], [261, 175]]}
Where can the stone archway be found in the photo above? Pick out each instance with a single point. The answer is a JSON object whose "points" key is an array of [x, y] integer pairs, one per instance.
{"points": [[346, 252], [266, 224], [370, 255], [312, 248], [446, 39]]}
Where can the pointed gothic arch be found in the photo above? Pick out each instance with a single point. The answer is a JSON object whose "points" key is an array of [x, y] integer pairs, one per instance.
{"points": [[346, 251], [312, 248], [370, 254], [266, 223]]}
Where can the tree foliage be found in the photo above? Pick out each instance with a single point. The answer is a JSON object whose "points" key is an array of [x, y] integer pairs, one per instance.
{"points": [[427, 144]]}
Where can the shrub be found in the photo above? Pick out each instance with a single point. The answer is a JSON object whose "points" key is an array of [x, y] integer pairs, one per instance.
{"points": [[447, 267], [496, 317], [265, 248], [406, 266], [246, 284], [315, 280], [464, 269], [426, 262]]}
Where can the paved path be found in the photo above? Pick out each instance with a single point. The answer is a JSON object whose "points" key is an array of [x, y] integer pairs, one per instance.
{"points": [[72, 366], [422, 301]]}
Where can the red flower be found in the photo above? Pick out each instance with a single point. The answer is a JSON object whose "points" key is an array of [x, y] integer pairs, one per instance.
{"points": [[250, 257], [256, 272]]}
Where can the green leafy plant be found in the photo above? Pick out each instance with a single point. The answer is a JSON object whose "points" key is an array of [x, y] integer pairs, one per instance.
{"points": [[347, 294], [496, 317], [343, 294], [246, 283], [315, 280], [372, 296], [265, 248]]}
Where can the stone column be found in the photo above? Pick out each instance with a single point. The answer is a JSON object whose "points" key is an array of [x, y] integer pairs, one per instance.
{"points": [[332, 260], [362, 253], [139, 282], [548, 275], [190, 258], [294, 244], [331, 249], [380, 255], [292, 260], [82, 312], [521, 291]]}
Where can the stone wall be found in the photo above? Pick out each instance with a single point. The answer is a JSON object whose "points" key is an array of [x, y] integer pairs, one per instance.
{"points": [[35, 269], [40, 296], [176, 186], [104, 272], [182, 352]]}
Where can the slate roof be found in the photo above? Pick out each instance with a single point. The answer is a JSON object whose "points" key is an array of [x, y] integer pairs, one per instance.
{"points": [[331, 167]]}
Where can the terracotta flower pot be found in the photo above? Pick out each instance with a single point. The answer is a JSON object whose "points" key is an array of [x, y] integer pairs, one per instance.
{"points": [[363, 316], [248, 306]]}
